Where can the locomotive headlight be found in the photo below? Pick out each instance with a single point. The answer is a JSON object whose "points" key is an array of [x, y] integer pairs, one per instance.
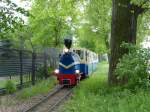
{"points": [[56, 71], [77, 71]]}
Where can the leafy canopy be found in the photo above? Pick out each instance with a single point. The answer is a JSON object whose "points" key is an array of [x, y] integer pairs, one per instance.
{"points": [[51, 21], [9, 20]]}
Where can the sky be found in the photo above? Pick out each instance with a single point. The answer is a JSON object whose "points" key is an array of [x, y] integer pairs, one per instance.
{"points": [[24, 4]]}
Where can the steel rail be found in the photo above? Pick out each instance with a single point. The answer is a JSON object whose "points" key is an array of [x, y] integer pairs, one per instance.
{"points": [[51, 94], [59, 101]]}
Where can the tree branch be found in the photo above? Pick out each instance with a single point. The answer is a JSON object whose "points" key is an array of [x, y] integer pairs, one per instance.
{"points": [[141, 9], [138, 9], [145, 1]]}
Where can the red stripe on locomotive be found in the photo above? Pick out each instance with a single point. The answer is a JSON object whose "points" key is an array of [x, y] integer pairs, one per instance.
{"points": [[69, 79]]}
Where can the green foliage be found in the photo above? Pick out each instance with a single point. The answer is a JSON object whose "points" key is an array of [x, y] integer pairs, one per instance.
{"points": [[50, 70], [113, 101], [12, 25], [9, 21], [40, 88], [94, 95], [134, 67], [50, 22], [95, 25], [143, 29], [2, 83], [40, 72], [10, 87], [144, 3]]}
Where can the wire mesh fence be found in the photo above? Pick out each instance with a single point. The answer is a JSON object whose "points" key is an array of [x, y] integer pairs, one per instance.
{"points": [[24, 66]]}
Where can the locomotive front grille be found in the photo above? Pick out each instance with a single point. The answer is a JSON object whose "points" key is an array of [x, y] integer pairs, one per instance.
{"points": [[66, 82]]}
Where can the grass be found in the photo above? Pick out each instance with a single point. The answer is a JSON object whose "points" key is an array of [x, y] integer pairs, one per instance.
{"points": [[14, 79], [42, 87], [94, 95], [2, 83]]}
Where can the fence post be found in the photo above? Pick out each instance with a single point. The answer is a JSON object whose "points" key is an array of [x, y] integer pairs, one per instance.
{"points": [[33, 68], [21, 60], [45, 65], [21, 69]]}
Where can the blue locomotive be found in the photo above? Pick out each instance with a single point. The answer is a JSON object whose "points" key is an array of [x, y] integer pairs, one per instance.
{"points": [[75, 64]]}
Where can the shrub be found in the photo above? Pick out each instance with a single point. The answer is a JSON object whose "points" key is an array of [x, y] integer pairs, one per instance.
{"points": [[50, 70], [41, 87], [41, 71], [134, 66], [10, 87]]}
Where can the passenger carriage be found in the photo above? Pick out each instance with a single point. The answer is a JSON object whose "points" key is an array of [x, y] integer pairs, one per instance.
{"points": [[88, 61]]}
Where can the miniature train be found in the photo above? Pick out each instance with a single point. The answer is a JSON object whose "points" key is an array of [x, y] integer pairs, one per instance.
{"points": [[75, 64]]}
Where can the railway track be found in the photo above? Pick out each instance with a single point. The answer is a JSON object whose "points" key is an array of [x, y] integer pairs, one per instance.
{"points": [[51, 101]]}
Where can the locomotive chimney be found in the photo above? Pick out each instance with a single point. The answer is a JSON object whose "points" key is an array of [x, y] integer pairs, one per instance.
{"points": [[68, 43]]}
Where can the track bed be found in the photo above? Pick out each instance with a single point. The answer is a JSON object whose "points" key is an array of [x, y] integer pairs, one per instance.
{"points": [[51, 102]]}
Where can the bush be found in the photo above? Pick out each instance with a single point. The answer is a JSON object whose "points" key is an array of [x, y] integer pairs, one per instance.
{"points": [[10, 87], [94, 95], [134, 67], [50, 70], [41, 71], [41, 87]]}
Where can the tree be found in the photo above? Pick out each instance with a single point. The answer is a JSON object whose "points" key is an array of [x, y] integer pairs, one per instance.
{"points": [[9, 20], [143, 29], [95, 25], [51, 21], [124, 29]]}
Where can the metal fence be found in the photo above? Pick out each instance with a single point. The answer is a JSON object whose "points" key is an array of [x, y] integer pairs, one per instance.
{"points": [[23, 66]]}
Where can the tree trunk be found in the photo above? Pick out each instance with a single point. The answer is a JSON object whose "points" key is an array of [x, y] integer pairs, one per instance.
{"points": [[123, 29]]}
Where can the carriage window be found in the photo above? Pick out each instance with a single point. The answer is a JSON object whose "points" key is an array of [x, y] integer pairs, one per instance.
{"points": [[76, 57], [86, 55], [80, 53]]}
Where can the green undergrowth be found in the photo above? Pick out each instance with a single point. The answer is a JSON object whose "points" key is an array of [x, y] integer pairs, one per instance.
{"points": [[2, 83], [10, 87], [42, 87], [94, 95], [14, 79]]}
